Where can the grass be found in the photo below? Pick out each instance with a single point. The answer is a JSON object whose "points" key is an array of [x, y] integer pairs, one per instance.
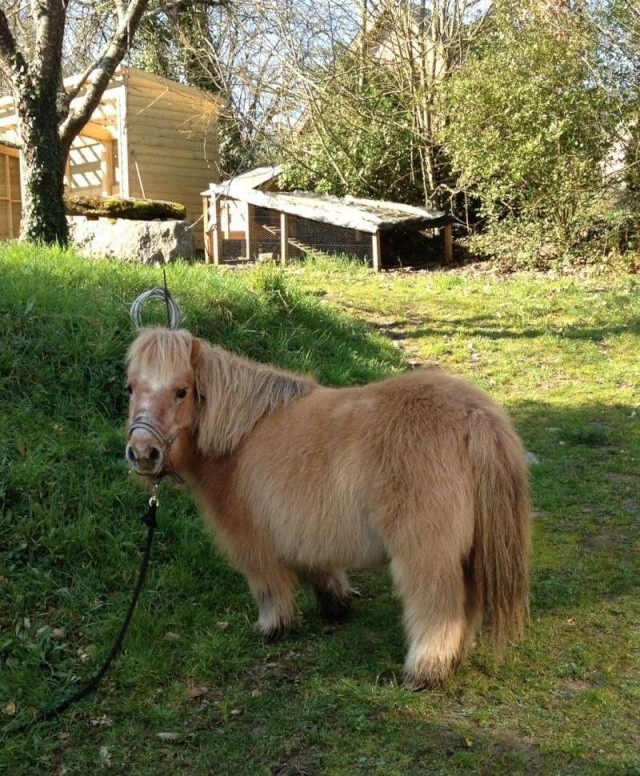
{"points": [[195, 691]]}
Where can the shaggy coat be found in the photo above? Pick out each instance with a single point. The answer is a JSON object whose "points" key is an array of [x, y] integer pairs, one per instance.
{"points": [[299, 483]]}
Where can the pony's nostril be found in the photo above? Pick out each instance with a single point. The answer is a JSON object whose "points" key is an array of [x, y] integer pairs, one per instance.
{"points": [[130, 454], [154, 454]]}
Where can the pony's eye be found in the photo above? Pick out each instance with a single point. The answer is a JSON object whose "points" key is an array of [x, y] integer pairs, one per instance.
{"points": [[181, 393]]}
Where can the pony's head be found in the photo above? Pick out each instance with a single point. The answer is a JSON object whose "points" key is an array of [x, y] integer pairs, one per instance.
{"points": [[163, 403], [189, 398]]}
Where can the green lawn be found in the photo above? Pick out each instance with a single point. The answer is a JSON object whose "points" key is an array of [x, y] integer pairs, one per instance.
{"points": [[195, 690]]}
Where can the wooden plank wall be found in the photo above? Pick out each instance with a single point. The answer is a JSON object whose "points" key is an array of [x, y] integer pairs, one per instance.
{"points": [[172, 140], [10, 193]]}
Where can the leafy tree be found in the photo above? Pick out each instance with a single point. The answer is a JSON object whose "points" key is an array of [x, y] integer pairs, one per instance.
{"points": [[358, 139], [372, 114], [529, 119]]}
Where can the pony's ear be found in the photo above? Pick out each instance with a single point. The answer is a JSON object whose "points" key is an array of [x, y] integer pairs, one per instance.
{"points": [[196, 353]]}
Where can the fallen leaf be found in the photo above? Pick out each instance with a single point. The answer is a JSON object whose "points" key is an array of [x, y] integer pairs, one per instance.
{"points": [[167, 736], [105, 755], [197, 690], [103, 721], [10, 709]]}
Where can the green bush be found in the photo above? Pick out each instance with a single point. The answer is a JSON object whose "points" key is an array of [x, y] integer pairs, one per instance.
{"points": [[358, 139], [529, 125]]}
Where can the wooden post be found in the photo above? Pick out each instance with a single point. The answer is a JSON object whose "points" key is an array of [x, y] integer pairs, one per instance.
{"points": [[448, 244], [217, 232], [376, 246], [284, 238], [106, 168], [67, 171], [212, 227], [249, 215], [7, 171], [205, 228]]}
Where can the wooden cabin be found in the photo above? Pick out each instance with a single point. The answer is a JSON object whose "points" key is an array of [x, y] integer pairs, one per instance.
{"points": [[149, 137]]}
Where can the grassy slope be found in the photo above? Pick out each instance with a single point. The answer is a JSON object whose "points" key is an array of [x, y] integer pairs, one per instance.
{"points": [[562, 355]]}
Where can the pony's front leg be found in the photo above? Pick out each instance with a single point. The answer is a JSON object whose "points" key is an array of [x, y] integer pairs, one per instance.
{"points": [[274, 589]]}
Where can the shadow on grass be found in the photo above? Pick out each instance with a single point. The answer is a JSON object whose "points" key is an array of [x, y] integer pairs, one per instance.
{"points": [[475, 327], [586, 500]]}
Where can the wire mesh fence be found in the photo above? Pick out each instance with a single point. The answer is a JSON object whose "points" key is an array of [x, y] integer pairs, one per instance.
{"points": [[305, 236]]}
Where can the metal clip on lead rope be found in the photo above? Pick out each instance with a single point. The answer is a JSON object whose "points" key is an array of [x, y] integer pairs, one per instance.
{"points": [[150, 518]]}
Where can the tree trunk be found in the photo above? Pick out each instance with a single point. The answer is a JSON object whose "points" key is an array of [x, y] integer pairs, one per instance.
{"points": [[43, 216]]}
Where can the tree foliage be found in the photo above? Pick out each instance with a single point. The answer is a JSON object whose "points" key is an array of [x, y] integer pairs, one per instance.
{"points": [[531, 123], [357, 139], [528, 123], [372, 114]]}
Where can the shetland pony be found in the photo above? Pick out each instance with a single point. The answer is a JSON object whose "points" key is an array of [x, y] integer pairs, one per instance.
{"points": [[300, 482]]}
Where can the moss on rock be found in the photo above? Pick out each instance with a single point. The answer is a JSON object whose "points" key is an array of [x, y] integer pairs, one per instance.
{"points": [[133, 209]]}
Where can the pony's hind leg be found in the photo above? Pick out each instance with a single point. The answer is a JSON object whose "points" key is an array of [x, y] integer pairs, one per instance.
{"points": [[434, 617], [333, 593], [275, 593]]}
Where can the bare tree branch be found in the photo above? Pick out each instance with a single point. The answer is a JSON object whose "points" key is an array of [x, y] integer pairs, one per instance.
{"points": [[105, 69], [12, 60], [179, 5]]}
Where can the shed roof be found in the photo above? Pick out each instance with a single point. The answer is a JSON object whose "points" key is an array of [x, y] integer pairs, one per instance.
{"points": [[254, 179], [366, 215]]}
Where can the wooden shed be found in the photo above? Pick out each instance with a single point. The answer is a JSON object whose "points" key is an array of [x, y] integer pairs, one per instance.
{"points": [[149, 137]]}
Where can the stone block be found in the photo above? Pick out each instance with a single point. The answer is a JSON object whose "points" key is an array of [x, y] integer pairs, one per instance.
{"points": [[146, 242]]}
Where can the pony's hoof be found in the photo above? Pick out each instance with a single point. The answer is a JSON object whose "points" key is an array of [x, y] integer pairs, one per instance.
{"points": [[419, 683], [275, 633], [334, 609]]}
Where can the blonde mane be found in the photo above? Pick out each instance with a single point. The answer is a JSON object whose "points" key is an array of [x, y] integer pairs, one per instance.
{"points": [[161, 350], [236, 393]]}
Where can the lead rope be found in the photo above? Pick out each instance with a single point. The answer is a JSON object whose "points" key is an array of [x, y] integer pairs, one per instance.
{"points": [[149, 519]]}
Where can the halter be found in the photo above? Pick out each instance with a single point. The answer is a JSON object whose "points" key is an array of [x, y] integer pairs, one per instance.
{"points": [[164, 442], [173, 322]]}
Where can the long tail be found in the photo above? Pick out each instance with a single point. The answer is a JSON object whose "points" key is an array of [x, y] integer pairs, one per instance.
{"points": [[502, 532]]}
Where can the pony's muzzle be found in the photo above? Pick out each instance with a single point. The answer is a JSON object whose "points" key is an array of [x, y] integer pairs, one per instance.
{"points": [[144, 457]]}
